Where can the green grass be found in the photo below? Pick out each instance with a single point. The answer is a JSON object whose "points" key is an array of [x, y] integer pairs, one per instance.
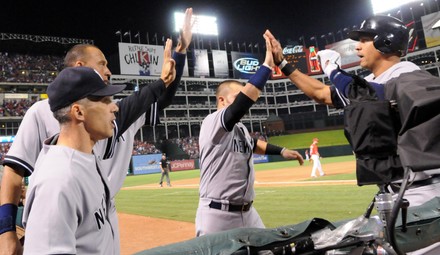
{"points": [[277, 205], [303, 140]]}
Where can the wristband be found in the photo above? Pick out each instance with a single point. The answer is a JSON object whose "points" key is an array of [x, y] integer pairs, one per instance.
{"points": [[273, 149], [283, 63], [260, 78], [8, 215], [287, 68]]}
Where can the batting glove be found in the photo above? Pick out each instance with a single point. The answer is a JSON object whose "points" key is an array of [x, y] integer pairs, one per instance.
{"points": [[330, 60]]}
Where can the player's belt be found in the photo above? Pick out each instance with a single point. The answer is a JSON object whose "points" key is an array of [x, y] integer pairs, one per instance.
{"points": [[416, 184], [231, 208]]}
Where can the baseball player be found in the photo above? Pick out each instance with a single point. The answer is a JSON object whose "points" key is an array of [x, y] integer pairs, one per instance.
{"points": [[66, 210], [115, 152], [314, 155], [382, 41], [226, 149]]}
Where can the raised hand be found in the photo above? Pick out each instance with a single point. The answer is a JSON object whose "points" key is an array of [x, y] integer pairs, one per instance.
{"points": [[186, 32], [168, 67]]}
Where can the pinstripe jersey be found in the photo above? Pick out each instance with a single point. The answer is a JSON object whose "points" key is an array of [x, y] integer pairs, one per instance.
{"points": [[226, 165], [66, 209]]}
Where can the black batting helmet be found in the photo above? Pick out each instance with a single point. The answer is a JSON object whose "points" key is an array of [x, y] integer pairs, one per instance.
{"points": [[390, 35]]}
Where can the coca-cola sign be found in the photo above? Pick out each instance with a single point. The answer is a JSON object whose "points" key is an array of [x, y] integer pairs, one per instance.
{"points": [[178, 165], [290, 49]]}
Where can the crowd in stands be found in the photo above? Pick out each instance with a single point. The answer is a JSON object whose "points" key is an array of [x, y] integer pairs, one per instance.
{"points": [[190, 145], [15, 107], [142, 147], [29, 68], [4, 148]]}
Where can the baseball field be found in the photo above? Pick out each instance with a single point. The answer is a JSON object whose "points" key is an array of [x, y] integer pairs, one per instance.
{"points": [[150, 216]]}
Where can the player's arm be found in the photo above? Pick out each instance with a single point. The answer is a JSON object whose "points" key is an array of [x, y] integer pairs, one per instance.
{"points": [[263, 148], [179, 57], [133, 106], [18, 162], [250, 93], [313, 88], [10, 196]]}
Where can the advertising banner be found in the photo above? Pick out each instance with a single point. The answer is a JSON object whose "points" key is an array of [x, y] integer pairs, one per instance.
{"points": [[146, 164], [220, 63], [431, 29], [178, 165], [303, 59], [347, 49], [201, 63], [244, 64], [140, 59], [260, 158]]}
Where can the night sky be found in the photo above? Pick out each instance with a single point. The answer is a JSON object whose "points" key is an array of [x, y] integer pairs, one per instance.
{"points": [[239, 21]]}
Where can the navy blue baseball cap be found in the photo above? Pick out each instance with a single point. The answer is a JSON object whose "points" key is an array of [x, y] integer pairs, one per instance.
{"points": [[75, 83]]}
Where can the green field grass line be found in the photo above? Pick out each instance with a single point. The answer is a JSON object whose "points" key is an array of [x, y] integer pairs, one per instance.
{"points": [[137, 180], [303, 140], [277, 206]]}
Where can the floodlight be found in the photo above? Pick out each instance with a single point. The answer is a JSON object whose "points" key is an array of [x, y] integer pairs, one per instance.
{"points": [[206, 25], [380, 6]]}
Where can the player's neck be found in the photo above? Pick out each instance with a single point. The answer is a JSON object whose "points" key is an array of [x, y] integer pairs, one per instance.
{"points": [[76, 138]]}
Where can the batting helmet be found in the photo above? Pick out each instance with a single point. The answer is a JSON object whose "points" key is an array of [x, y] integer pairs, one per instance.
{"points": [[390, 35]]}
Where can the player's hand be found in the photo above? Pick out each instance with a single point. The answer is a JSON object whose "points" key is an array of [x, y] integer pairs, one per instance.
{"points": [[10, 244], [186, 32], [291, 154], [269, 57], [277, 50], [169, 65], [330, 60]]}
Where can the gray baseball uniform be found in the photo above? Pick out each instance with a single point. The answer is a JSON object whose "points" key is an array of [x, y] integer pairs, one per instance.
{"points": [[226, 177], [114, 152], [66, 210]]}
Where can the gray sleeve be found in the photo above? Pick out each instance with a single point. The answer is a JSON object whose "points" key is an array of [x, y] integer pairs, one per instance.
{"points": [[29, 139]]}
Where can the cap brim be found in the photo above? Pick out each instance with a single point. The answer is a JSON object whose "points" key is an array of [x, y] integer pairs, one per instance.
{"points": [[356, 34], [109, 90]]}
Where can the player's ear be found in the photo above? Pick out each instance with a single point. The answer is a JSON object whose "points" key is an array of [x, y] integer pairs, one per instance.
{"points": [[78, 63], [221, 100], [77, 111]]}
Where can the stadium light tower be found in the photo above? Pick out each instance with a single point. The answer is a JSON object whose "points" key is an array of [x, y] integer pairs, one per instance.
{"points": [[203, 25]]}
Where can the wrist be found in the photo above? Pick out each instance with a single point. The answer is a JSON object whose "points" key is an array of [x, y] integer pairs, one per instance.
{"points": [[282, 151], [260, 78], [274, 150], [286, 67], [8, 215]]}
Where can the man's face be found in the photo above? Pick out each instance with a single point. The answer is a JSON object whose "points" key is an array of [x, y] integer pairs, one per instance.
{"points": [[231, 93], [99, 116], [368, 54], [95, 59]]}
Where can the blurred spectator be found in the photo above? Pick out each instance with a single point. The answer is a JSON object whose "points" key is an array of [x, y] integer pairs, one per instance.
{"points": [[4, 147], [29, 68], [142, 148], [15, 107], [190, 145]]}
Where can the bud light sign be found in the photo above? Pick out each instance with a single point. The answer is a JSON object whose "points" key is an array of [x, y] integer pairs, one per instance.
{"points": [[244, 64]]}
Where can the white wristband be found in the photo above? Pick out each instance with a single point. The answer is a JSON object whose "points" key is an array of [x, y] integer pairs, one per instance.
{"points": [[283, 64], [281, 153]]}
